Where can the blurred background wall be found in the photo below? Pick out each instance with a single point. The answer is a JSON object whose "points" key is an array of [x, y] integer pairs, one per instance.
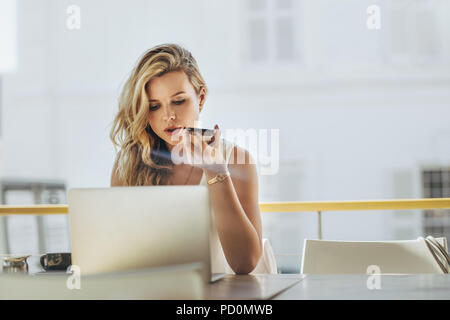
{"points": [[363, 113]]}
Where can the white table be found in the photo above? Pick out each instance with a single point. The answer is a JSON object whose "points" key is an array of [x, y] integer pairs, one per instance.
{"points": [[354, 286]]}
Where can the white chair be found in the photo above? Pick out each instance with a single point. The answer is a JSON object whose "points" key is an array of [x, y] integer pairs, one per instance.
{"points": [[391, 257]]}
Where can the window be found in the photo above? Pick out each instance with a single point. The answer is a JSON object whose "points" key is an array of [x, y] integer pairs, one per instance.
{"points": [[8, 54], [273, 34], [415, 32], [436, 184]]}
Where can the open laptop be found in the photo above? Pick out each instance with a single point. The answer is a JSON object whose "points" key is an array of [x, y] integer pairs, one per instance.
{"points": [[124, 228]]}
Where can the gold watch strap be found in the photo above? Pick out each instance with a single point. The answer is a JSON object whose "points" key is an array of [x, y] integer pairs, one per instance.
{"points": [[219, 177]]}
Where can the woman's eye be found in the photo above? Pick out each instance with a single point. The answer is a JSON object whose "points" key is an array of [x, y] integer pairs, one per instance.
{"points": [[179, 101]]}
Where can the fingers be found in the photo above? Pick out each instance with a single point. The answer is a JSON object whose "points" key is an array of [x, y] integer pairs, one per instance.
{"points": [[193, 146], [216, 138], [197, 142], [187, 147]]}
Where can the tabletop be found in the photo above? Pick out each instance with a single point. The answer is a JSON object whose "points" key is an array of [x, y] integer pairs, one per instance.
{"points": [[185, 282], [251, 287], [373, 287]]}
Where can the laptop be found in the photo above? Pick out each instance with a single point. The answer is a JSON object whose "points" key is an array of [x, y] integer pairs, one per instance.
{"points": [[126, 228]]}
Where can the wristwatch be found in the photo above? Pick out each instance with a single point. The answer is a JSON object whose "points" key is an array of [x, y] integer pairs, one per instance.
{"points": [[219, 177]]}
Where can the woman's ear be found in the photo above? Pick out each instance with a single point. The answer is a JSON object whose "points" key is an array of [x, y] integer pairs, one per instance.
{"points": [[202, 98]]}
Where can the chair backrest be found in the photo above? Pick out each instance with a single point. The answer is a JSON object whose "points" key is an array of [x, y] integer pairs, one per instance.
{"points": [[391, 257]]}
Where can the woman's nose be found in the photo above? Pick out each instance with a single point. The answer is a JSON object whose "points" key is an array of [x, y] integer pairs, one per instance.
{"points": [[169, 113]]}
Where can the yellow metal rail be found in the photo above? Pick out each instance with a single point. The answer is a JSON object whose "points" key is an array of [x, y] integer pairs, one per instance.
{"points": [[34, 209], [294, 206], [316, 206]]}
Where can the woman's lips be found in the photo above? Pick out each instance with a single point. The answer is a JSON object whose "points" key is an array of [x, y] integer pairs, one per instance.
{"points": [[176, 131]]}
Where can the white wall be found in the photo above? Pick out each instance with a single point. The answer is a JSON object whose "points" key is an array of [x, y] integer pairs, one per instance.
{"points": [[351, 126]]}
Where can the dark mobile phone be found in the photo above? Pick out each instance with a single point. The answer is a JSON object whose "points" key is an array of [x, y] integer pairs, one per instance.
{"points": [[205, 132], [209, 132]]}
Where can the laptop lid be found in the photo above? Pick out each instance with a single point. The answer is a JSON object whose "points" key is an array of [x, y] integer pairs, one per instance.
{"points": [[123, 228]]}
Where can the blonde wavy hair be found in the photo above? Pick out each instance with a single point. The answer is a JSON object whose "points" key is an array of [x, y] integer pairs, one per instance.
{"points": [[143, 158]]}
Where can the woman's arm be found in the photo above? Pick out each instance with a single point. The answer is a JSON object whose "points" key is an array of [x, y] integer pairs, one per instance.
{"points": [[238, 220]]}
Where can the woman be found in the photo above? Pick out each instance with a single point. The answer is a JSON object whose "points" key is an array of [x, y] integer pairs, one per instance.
{"points": [[166, 91]]}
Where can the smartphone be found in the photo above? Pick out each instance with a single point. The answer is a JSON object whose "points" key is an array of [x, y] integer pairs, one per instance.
{"points": [[209, 132], [205, 132]]}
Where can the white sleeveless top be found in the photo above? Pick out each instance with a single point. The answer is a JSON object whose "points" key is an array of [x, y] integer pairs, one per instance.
{"points": [[219, 263]]}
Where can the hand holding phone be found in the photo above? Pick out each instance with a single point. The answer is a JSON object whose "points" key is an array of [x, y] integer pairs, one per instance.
{"points": [[207, 155], [203, 131]]}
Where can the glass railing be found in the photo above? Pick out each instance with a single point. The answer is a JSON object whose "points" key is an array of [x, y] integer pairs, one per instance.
{"points": [[272, 207]]}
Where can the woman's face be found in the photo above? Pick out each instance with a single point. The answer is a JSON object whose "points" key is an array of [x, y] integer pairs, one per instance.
{"points": [[173, 102]]}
